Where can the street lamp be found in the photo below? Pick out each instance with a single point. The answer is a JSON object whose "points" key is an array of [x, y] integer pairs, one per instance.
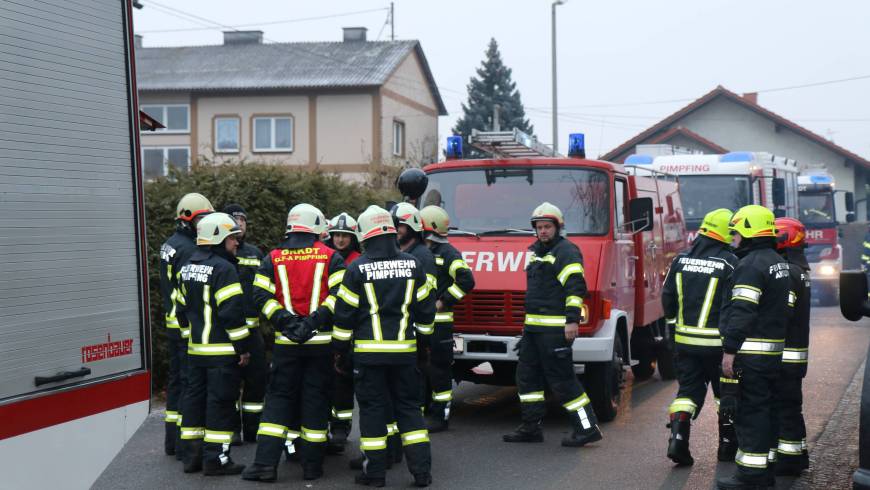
{"points": [[555, 104]]}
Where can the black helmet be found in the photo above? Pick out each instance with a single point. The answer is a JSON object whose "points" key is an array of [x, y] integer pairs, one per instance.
{"points": [[412, 183], [236, 211]]}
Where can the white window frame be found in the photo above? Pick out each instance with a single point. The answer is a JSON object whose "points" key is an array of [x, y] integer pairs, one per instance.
{"points": [[398, 138], [272, 125], [238, 134], [163, 119], [165, 157]]}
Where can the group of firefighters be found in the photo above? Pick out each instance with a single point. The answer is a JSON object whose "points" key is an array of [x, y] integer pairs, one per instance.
{"points": [[363, 307]]}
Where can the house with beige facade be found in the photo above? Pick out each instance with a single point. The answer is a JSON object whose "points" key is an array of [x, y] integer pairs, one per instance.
{"points": [[338, 106]]}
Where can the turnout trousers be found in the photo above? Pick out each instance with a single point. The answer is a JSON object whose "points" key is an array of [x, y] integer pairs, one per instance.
{"points": [[209, 407], [342, 401], [546, 360], [756, 423], [440, 371], [695, 372], [297, 405], [176, 378], [378, 387], [792, 440], [254, 377]]}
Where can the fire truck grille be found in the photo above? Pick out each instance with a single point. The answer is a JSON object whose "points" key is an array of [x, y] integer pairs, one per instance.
{"points": [[495, 308]]}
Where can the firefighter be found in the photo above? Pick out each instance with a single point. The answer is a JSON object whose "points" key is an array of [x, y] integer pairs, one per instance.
{"points": [[255, 373], [753, 333], [454, 280], [295, 289], [384, 303], [692, 297], [343, 237], [554, 301], [792, 456], [211, 302], [174, 253], [865, 257]]}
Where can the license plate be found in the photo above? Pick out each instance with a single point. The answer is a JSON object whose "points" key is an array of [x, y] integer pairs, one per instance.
{"points": [[458, 344]]}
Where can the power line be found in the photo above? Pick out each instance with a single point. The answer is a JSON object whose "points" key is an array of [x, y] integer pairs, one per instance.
{"points": [[267, 23], [814, 84]]}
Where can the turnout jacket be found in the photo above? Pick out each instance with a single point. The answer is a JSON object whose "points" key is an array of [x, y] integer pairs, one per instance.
{"points": [[692, 295], [383, 302], [174, 253], [300, 278], [797, 337], [757, 311], [865, 253], [555, 286], [211, 305], [453, 279], [249, 258], [427, 260]]}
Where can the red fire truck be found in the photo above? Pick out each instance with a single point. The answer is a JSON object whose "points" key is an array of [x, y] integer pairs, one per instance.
{"points": [[627, 226], [74, 350]]}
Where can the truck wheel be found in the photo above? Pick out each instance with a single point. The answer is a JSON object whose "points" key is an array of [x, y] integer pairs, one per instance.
{"points": [[665, 359], [642, 349], [603, 383]]}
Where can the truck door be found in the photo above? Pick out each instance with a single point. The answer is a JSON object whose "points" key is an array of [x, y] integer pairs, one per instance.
{"points": [[624, 274], [650, 248]]}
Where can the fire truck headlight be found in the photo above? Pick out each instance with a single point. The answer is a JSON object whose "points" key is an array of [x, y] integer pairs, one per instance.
{"points": [[827, 270]]}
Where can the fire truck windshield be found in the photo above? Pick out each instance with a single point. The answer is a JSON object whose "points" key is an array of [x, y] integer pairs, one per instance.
{"points": [[501, 201], [816, 207], [701, 194]]}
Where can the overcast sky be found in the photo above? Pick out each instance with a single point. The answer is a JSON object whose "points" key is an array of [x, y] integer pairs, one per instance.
{"points": [[618, 60]]}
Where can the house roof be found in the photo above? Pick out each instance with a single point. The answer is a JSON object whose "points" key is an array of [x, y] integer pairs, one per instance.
{"points": [[687, 133], [148, 123], [720, 91], [257, 66]]}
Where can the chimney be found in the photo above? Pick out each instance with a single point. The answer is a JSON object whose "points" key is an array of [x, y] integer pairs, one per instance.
{"points": [[751, 97], [243, 37], [353, 34], [137, 41]]}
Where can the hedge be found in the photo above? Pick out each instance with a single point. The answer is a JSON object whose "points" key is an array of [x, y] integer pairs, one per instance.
{"points": [[266, 192]]}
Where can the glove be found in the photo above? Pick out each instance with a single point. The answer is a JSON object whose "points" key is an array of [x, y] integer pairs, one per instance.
{"points": [[300, 330], [729, 396]]}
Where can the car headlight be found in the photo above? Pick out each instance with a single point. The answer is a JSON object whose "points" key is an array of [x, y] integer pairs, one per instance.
{"points": [[827, 270]]}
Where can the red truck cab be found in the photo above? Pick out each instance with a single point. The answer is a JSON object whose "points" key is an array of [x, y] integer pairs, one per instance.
{"points": [[628, 228]]}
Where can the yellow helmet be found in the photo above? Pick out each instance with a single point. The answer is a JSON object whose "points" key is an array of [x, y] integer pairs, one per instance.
{"points": [[406, 213], [548, 212], [305, 218], [375, 221], [215, 228], [715, 225], [192, 205], [753, 221], [435, 220]]}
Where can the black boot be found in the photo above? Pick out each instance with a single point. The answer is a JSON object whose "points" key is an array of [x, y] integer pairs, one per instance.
{"points": [[727, 440], [788, 465], [169, 440], [438, 416], [363, 479], [357, 462], [805, 459], [291, 451], [179, 444], [260, 472], [733, 482], [394, 450], [582, 434], [311, 471], [678, 445], [236, 439], [422, 479], [338, 432], [526, 432], [213, 467], [192, 455]]}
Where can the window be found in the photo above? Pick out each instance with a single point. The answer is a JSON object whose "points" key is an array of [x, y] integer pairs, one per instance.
{"points": [[156, 161], [398, 138], [226, 135], [620, 212], [176, 117], [273, 134]]}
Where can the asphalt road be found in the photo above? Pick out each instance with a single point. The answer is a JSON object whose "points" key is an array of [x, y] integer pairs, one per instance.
{"points": [[472, 455]]}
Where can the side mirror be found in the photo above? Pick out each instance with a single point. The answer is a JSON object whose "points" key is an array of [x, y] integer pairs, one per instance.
{"points": [[640, 211], [850, 203], [850, 217], [853, 295], [778, 186]]}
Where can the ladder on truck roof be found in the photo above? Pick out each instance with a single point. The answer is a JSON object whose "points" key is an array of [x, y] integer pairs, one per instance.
{"points": [[509, 144]]}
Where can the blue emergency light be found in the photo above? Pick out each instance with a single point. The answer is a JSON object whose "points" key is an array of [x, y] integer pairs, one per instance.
{"points": [[577, 145], [637, 159], [736, 157], [454, 147], [821, 179]]}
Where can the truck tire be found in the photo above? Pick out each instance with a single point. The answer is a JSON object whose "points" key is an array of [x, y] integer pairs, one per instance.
{"points": [[643, 350], [603, 383]]}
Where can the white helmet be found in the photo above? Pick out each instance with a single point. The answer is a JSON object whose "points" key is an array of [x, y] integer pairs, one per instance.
{"points": [[405, 213], [548, 212], [192, 205], [305, 218], [215, 228], [343, 223], [375, 221]]}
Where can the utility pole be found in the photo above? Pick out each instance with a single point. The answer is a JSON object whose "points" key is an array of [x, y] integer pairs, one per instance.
{"points": [[496, 122], [555, 100], [392, 22]]}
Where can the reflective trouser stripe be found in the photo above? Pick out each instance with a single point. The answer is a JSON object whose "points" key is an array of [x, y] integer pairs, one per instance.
{"points": [[372, 443], [534, 396], [273, 430], [251, 407], [444, 317], [577, 403], [751, 460], [688, 340], [444, 396], [392, 428], [312, 435], [252, 321], [545, 320], [171, 416], [796, 356], [219, 437], [791, 448], [415, 437], [292, 435], [188, 433], [683, 405], [342, 414], [761, 346]]}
